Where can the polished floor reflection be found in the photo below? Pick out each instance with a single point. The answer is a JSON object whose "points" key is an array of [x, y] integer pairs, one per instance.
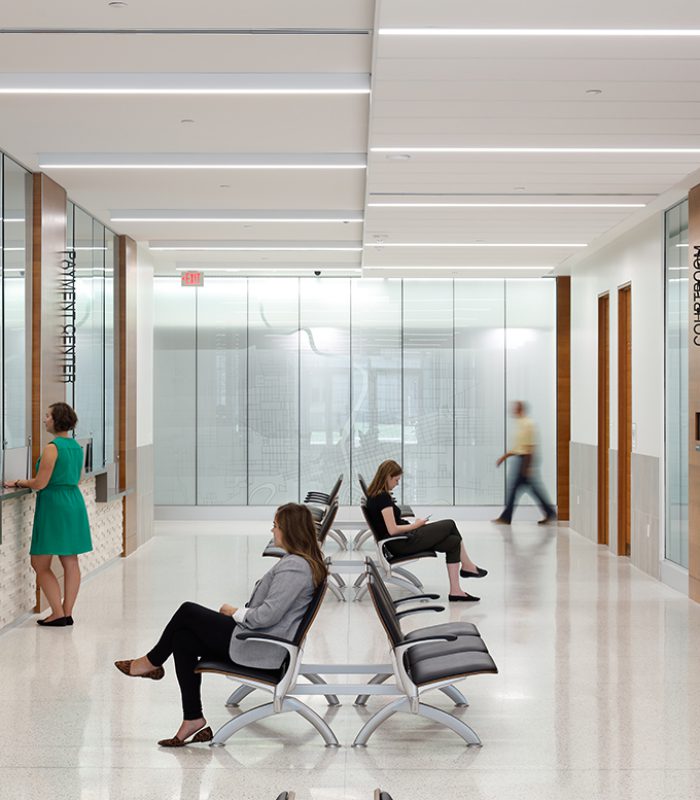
{"points": [[598, 694]]}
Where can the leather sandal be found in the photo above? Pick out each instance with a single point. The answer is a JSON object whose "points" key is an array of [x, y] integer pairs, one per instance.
{"points": [[125, 667], [202, 735]]}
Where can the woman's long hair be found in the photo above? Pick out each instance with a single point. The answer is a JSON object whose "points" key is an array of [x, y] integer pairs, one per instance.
{"points": [[387, 469], [299, 532]]}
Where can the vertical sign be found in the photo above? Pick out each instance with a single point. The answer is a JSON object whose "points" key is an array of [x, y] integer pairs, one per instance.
{"points": [[66, 294], [694, 394]]}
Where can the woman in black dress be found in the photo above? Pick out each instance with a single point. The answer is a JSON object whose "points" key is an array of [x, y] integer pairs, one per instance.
{"points": [[443, 536]]}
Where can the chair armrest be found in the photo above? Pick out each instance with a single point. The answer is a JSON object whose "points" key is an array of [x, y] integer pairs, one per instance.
{"points": [[400, 649], [417, 597], [402, 614], [290, 647]]}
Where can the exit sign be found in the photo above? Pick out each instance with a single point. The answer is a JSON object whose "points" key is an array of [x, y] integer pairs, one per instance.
{"points": [[192, 279]]}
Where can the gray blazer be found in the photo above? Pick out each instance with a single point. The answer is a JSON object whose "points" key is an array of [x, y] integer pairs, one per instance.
{"points": [[276, 607]]}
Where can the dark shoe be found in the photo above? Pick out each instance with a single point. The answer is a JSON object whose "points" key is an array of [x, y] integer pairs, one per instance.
{"points": [[467, 598], [500, 521], [60, 622], [125, 667], [69, 620], [202, 735], [480, 573], [547, 520]]}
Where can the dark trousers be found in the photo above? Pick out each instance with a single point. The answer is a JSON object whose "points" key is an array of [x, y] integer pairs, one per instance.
{"points": [[526, 480], [442, 536], [194, 632]]}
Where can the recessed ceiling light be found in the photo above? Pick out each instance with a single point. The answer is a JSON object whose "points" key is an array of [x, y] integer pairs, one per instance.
{"points": [[585, 32], [117, 4], [399, 157], [506, 205], [186, 121], [594, 91], [224, 186], [518, 188], [476, 244], [538, 150]]}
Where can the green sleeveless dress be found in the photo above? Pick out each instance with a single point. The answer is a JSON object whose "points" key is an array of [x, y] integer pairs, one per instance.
{"points": [[61, 526]]}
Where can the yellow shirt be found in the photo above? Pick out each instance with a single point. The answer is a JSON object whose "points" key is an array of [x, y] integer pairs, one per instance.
{"points": [[525, 437]]}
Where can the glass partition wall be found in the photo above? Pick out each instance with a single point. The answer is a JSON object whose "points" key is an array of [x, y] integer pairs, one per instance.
{"points": [[15, 259], [676, 545], [93, 394], [267, 388]]}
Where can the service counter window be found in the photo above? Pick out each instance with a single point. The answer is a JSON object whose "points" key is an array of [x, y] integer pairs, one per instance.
{"points": [[15, 260]]}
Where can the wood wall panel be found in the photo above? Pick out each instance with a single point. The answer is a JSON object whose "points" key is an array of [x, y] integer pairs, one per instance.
{"points": [[694, 394], [624, 420], [563, 393], [48, 244], [603, 492], [127, 388]]}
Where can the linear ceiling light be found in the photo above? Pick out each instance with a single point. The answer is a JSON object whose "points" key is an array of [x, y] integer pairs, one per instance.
{"points": [[474, 244], [583, 32], [506, 205], [185, 84], [537, 150], [251, 248], [253, 161], [233, 216], [292, 270], [446, 267]]}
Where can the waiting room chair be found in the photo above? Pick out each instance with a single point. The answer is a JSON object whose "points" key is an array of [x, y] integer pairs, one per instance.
{"points": [[276, 682], [424, 663]]}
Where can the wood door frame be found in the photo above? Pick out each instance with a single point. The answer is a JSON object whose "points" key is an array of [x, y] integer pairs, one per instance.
{"points": [[624, 418], [604, 418]]}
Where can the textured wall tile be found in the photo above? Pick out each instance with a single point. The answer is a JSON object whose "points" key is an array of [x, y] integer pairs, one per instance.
{"points": [[17, 583]]}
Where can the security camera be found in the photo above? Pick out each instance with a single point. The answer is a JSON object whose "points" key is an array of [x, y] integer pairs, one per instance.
{"points": [[317, 272]]}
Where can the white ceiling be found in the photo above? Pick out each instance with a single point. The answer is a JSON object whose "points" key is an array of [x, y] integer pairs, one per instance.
{"points": [[455, 91]]}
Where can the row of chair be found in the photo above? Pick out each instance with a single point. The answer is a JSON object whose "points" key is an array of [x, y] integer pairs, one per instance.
{"points": [[435, 657]]}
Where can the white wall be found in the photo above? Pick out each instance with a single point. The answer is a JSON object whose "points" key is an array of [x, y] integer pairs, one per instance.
{"points": [[636, 257], [144, 347]]}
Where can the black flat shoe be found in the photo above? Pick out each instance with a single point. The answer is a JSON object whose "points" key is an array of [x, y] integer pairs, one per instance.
{"points": [[467, 598], [60, 622], [69, 620], [480, 573]]}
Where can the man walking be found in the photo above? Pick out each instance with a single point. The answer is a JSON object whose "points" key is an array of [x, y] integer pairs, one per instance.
{"points": [[524, 448]]}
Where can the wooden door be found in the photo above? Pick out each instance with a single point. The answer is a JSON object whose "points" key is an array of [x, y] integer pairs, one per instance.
{"points": [[624, 419], [603, 417]]}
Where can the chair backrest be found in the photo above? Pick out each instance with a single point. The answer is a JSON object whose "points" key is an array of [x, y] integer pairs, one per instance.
{"points": [[310, 613], [327, 522], [334, 491], [385, 610], [365, 514], [363, 484], [381, 586]]}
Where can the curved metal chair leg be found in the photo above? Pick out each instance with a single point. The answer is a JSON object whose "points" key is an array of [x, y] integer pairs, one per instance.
{"points": [[267, 710], [377, 719], [361, 593], [455, 695], [338, 538], [404, 573], [238, 695], [335, 591], [361, 699], [361, 538], [338, 579], [331, 699], [341, 535], [460, 728], [360, 579], [403, 583]]}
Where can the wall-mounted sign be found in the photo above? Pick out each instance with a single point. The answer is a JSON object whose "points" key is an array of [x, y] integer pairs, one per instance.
{"points": [[696, 295], [192, 279], [66, 298]]}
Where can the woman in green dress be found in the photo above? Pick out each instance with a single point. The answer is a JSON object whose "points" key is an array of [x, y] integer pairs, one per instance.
{"points": [[61, 526]]}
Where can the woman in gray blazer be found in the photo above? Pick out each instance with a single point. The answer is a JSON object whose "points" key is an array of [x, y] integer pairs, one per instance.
{"points": [[276, 607]]}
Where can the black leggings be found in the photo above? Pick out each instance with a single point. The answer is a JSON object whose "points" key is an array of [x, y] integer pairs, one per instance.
{"points": [[442, 536], [194, 632]]}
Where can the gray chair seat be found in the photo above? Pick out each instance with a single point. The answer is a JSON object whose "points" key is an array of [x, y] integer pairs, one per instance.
{"points": [[227, 667], [431, 670], [465, 644], [450, 628]]}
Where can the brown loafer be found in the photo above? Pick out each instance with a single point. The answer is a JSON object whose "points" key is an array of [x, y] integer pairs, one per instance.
{"points": [[202, 735], [125, 667]]}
